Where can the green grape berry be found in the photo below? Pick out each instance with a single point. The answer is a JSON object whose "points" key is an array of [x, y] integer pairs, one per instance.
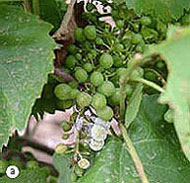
{"points": [[137, 73], [115, 98], [105, 113], [99, 41], [83, 99], [79, 171], [73, 84], [66, 126], [121, 71], [71, 48], [3, 166], [99, 101], [120, 23], [74, 93], [65, 136], [106, 60], [88, 67], [117, 61], [150, 75], [107, 88], [64, 104], [136, 38], [62, 91], [145, 20], [78, 56], [81, 75], [79, 35], [160, 64], [70, 61], [169, 116], [129, 90], [119, 47], [32, 164], [90, 32], [96, 78]]}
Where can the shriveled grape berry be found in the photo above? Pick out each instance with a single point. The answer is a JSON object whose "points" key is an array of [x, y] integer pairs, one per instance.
{"points": [[90, 32], [96, 78], [83, 99], [107, 88], [81, 75], [106, 60], [61, 148], [99, 101], [105, 113]]}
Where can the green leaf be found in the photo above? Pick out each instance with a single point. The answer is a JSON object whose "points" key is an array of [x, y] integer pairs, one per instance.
{"points": [[26, 58], [175, 50], [62, 164], [27, 176], [157, 146], [165, 10], [133, 105]]}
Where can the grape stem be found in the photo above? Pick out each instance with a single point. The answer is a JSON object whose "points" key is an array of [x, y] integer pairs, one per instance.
{"points": [[36, 7], [63, 74], [150, 83], [134, 154]]}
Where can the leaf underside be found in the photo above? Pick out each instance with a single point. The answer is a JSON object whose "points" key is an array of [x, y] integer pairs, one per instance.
{"points": [[26, 54], [156, 144]]}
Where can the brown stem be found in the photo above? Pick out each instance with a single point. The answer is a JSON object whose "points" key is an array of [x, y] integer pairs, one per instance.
{"points": [[63, 74]]}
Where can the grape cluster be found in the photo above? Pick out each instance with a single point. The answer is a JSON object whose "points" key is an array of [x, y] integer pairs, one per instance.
{"points": [[97, 62]]}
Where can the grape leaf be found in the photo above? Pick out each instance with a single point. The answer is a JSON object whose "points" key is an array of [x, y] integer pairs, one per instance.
{"points": [[133, 106], [26, 54], [175, 50], [62, 164], [27, 176], [165, 10], [157, 145]]}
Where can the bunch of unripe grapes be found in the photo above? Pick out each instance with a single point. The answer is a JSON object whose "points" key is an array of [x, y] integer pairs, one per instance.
{"points": [[98, 59], [96, 74]]}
